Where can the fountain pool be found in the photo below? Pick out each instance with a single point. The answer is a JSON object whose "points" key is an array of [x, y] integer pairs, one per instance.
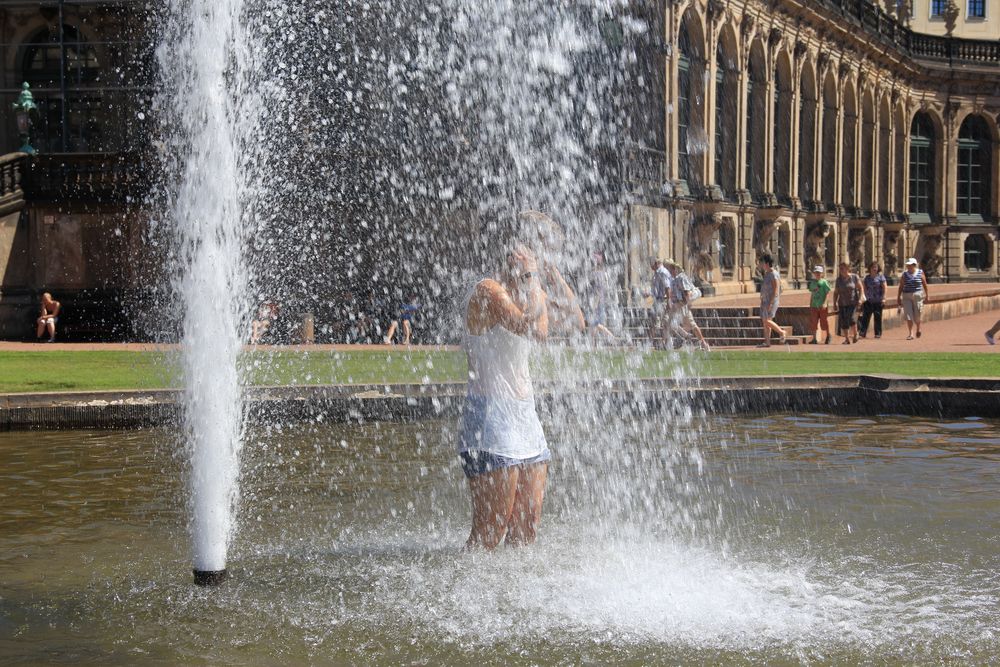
{"points": [[779, 539]]}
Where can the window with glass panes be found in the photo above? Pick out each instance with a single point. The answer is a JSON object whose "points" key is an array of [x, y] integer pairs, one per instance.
{"points": [[976, 9], [973, 168], [752, 183], [719, 92], [683, 116], [921, 165], [977, 253], [937, 7]]}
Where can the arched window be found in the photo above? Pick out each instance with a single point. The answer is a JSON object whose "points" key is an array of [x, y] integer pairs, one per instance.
{"points": [[781, 129], [899, 137], [755, 122], [922, 166], [884, 202], [974, 168], [847, 163], [691, 138], [977, 253], [40, 60], [77, 120], [828, 165], [830, 251], [807, 122], [725, 116], [867, 153], [683, 103]]}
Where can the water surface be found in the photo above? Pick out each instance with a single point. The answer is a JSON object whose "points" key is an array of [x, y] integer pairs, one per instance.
{"points": [[732, 540]]}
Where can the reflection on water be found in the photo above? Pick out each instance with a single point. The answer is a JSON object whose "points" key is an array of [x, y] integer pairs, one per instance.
{"points": [[779, 539]]}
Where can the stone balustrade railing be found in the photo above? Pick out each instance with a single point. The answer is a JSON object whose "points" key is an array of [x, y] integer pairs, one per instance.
{"points": [[916, 45], [105, 177], [11, 173]]}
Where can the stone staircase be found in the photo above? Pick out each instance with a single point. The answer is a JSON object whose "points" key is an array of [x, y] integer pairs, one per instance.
{"points": [[722, 327]]}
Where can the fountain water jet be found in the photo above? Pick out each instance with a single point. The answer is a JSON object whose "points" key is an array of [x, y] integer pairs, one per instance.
{"points": [[201, 57]]}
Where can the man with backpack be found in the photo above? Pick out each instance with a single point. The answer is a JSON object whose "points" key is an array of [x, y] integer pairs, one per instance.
{"points": [[682, 294]]}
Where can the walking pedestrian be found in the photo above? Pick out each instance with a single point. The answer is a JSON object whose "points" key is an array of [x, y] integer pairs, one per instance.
{"points": [[848, 295], [874, 302], [991, 334], [681, 291], [912, 296], [770, 296], [659, 320], [819, 288]]}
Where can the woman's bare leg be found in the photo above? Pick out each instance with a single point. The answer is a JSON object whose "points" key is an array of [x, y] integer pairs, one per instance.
{"points": [[407, 332], [41, 328], [527, 509], [51, 325], [493, 495], [392, 332]]}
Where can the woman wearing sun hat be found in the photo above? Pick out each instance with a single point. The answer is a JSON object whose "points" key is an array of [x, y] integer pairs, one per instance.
{"points": [[912, 295]]}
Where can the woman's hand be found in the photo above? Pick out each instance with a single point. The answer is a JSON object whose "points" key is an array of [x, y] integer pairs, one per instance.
{"points": [[522, 261]]}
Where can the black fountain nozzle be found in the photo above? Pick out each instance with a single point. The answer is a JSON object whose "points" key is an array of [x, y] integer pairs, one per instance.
{"points": [[209, 577]]}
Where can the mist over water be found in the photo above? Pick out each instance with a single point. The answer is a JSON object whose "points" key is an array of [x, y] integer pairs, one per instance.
{"points": [[333, 158]]}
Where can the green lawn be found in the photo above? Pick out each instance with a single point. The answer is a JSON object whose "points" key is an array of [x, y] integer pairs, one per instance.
{"points": [[80, 371]]}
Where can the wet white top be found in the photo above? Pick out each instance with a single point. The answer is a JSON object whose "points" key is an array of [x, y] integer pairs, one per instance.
{"points": [[498, 365]]}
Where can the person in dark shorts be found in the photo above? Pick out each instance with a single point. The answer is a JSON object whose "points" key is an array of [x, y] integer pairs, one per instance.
{"points": [[874, 302], [502, 446], [848, 295], [407, 311]]}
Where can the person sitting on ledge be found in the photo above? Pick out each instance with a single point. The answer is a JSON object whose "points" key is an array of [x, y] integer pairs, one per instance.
{"points": [[48, 317]]}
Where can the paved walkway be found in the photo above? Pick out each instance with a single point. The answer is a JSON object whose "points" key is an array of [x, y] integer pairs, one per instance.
{"points": [[960, 334], [9, 346], [794, 298]]}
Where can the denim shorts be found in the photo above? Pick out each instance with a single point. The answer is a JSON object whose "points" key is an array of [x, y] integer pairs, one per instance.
{"points": [[475, 463]]}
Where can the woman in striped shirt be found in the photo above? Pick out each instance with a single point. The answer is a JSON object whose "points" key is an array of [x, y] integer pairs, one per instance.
{"points": [[912, 295]]}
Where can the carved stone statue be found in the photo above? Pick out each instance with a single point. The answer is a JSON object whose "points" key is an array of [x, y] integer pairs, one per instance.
{"points": [[763, 232], [815, 246], [930, 259], [856, 248], [890, 243], [702, 236], [950, 15]]}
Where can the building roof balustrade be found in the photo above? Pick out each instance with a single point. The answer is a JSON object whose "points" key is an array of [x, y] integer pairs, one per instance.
{"points": [[91, 177], [877, 22]]}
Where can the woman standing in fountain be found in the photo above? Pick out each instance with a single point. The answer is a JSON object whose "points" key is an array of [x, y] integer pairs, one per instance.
{"points": [[503, 449]]}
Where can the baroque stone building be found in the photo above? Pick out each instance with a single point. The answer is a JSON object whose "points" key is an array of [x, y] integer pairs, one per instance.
{"points": [[819, 132]]}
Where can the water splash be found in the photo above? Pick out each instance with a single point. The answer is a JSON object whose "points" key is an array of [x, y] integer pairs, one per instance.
{"points": [[202, 57]]}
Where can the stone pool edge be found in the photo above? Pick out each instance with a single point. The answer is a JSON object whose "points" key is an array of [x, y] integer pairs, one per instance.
{"points": [[841, 394]]}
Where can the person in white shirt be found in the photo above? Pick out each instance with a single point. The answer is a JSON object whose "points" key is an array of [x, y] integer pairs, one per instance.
{"points": [[501, 443]]}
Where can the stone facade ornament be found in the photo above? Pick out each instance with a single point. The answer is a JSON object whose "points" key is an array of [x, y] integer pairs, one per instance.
{"points": [[801, 48], [890, 243], [930, 257], [763, 231], [856, 248], [716, 10], [950, 15], [823, 64], [905, 11], [815, 245], [703, 235]]}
